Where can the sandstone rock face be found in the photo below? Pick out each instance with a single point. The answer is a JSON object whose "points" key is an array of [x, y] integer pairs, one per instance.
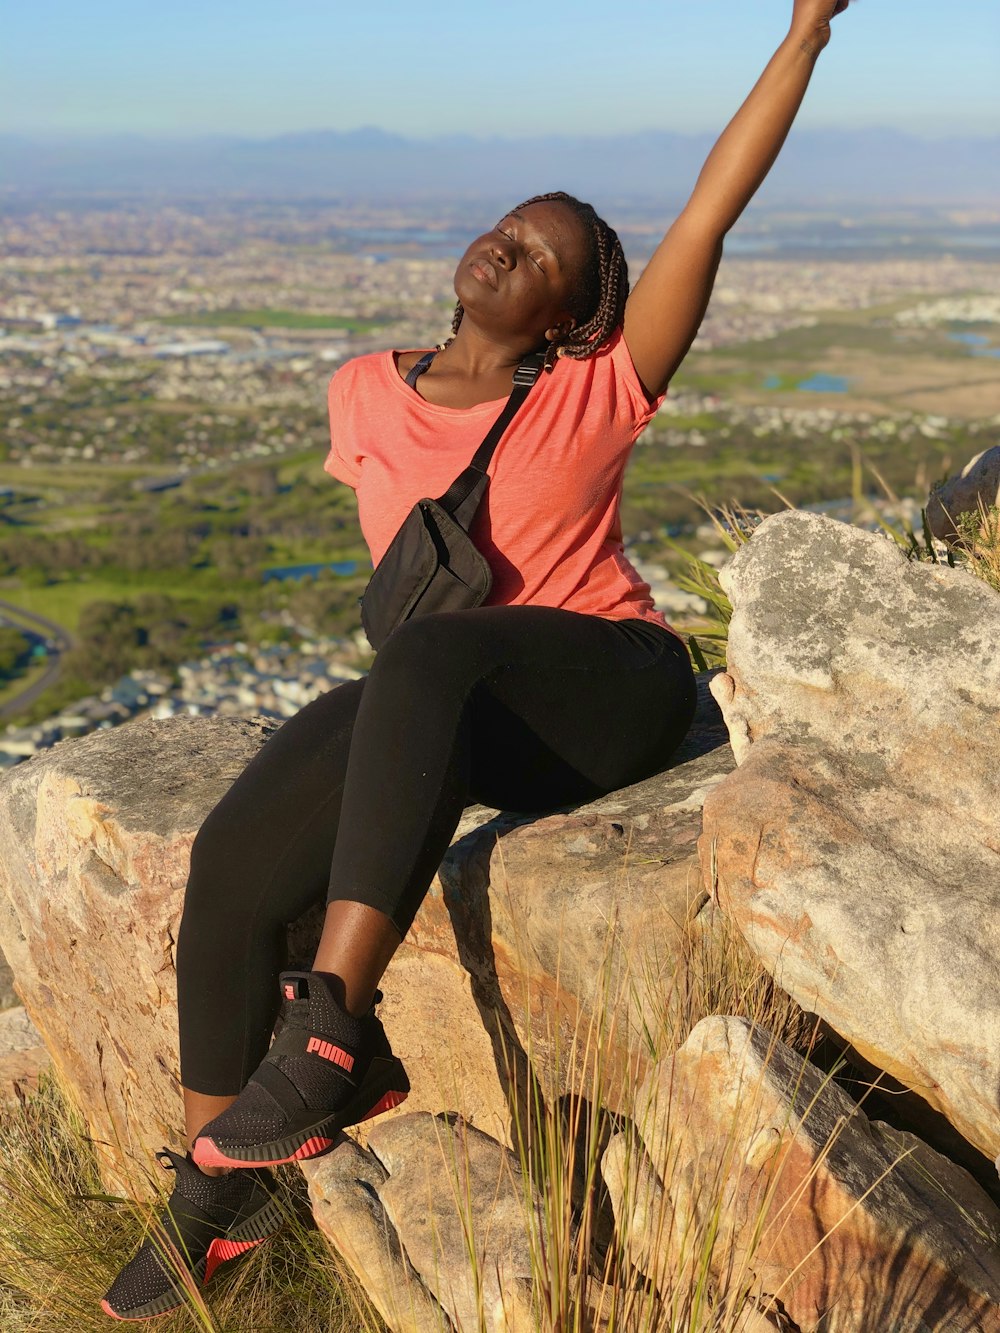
{"points": [[8, 995], [436, 1216], [841, 1223], [978, 482], [344, 1192], [857, 844], [95, 837], [22, 1055], [558, 920], [643, 1213]]}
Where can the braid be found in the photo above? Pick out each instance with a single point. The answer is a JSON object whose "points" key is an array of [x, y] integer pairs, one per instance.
{"points": [[599, 304]]}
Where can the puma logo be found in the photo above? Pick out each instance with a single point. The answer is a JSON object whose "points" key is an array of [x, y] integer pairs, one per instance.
{"points": [[330, 1052]]}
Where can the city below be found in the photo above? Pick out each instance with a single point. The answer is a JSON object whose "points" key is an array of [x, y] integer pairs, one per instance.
{"points": [[169, 541]]}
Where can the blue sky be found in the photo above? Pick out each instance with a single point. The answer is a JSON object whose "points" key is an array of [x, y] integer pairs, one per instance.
{"points": [[429, 66]]}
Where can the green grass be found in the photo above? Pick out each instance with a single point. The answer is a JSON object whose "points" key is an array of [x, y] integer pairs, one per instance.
{"points": [[270, 319], [63, 602], [76, 475]]}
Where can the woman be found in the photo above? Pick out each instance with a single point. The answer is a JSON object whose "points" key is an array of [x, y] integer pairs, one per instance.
{"points": [[567, 684]]}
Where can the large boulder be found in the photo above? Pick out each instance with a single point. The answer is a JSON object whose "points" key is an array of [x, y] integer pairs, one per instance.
{"points": [[747, 1174], [95, 836], [752, 1166], [450, 1227], [977, 485], [530, 927], [344, 1192], [857, 844]]}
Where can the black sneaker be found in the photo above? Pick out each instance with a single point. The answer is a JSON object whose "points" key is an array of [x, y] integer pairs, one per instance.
{"points": [[325, 1070], [209, 1220]]}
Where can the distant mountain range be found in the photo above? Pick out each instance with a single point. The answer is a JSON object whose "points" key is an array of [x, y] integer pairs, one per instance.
{"points": [[817, 167]]}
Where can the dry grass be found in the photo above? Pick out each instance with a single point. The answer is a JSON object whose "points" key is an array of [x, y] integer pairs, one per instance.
{"points": [[979, 543], [63, 1241], [734, 526], [581, 1281]]}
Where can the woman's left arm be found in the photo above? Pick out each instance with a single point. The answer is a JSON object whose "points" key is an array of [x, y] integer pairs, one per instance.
{"points": [[666, 308]]}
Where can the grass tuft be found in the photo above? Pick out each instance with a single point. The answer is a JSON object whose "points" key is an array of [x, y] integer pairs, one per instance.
{"points": [[979, 543], [63, 1240]]}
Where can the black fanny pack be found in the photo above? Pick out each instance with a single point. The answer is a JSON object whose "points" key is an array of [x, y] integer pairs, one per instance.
{"points": [[432, 563]]}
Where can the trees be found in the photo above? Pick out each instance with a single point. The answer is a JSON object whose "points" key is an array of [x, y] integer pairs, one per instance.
{"points": [[15, 649]]}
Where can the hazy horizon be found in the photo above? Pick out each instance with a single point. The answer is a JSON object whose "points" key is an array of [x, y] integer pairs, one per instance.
{"points": [[858, 169]]}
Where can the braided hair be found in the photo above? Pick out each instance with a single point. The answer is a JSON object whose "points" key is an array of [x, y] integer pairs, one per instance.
{"points": [[598, 305]]}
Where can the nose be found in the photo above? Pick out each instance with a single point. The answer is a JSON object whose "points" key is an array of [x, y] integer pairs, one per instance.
{"points": [[502, 253]]}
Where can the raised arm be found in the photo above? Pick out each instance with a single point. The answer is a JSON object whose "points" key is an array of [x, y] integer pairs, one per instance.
{"points": [[670, 299]]}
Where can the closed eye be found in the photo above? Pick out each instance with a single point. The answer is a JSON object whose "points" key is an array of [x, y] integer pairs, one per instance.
{"points": [[509, 237]]}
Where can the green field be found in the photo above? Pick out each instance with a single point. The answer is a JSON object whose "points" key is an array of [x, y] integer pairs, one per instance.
{"points": [[63, 602], [270, 319]]}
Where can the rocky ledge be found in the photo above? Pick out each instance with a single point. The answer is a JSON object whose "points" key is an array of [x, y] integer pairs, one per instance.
{"points": [[531, 926], [857, 843]]}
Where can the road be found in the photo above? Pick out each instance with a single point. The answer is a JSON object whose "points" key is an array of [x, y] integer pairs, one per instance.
{"points": [[56, 638]]}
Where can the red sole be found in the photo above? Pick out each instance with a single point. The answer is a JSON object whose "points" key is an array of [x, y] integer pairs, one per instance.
{"points": [[387, 1103], [221, 1250], [207, 1153], [134, 1319]]}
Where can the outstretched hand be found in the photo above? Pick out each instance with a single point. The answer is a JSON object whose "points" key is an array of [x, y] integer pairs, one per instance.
{"points": [[811, 21]]}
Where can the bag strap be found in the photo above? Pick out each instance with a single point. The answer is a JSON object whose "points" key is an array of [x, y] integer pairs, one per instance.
{"points": [[524, 377]]}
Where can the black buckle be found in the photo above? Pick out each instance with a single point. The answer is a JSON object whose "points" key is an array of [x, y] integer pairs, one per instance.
{"points": [[526, 373]]}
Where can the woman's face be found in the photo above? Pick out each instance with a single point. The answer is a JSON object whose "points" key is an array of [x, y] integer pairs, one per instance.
{"points": [[519, 280]]}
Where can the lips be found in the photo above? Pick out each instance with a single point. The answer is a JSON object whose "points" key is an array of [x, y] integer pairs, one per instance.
{"points": [[484, 271]]}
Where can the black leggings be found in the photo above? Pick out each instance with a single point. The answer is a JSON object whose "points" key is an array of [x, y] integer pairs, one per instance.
{"points": [[358, 796]]}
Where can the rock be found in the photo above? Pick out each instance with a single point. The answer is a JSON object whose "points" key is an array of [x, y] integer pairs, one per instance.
{"points": [[344, 1192], [8, 995], [95, 838], [977, 483], [644, 1219], [857, 843], [22, 1055], [653, 1243], [556, 919], [451, 1187], [405, 1213], [834, 1221]]}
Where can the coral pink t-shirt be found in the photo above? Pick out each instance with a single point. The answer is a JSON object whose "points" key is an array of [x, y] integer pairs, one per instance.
{"points": [[550, 526]]}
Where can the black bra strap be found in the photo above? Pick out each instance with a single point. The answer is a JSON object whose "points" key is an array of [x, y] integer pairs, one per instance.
{"points": [[418, 368]]}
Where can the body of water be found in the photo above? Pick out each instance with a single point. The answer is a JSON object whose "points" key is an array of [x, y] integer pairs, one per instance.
{"points": [[979, 344], [820, 383], [308, 571]]}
